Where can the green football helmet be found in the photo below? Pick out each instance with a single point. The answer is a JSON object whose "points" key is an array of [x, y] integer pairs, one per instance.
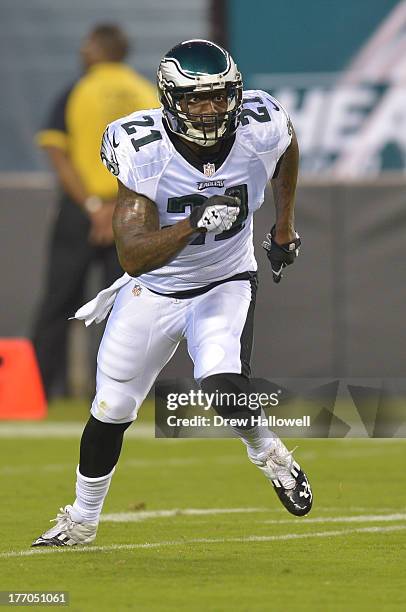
{"points": [[192, 68]]}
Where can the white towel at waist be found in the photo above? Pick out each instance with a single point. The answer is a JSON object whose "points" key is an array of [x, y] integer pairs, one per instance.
{"points": [[97, 309]]}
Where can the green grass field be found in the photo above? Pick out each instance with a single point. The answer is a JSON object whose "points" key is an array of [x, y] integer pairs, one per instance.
{"points": [[242, 552]]}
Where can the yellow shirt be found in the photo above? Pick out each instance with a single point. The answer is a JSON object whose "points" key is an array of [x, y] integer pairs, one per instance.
{"points": [[105, 93]]}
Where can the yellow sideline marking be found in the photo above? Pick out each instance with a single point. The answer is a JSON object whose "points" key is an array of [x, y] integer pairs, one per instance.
{"points": [[245, 540]]}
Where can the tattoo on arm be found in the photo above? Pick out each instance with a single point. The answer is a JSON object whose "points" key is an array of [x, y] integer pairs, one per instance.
{"points": [[284, 187], [141, 245]]}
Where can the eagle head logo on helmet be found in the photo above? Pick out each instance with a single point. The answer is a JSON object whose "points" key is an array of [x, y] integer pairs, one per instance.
{"points": [[193, 68]]}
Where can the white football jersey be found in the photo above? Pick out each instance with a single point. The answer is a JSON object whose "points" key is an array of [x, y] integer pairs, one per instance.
{"points": [[139, 152]]}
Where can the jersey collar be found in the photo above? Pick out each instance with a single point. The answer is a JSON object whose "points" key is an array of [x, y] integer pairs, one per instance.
{"points": [[204, 157]]}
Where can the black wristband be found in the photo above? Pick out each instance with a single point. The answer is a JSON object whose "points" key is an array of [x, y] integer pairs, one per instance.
{"points": [[288, 247]]}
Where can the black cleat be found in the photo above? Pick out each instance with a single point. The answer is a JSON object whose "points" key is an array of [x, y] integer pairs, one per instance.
{"points": [[299, 500], [289, 481]]}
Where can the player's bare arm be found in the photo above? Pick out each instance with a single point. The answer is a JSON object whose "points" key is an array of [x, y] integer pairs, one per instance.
{"points": [[282, 244], [141, 245], [284, 189]]}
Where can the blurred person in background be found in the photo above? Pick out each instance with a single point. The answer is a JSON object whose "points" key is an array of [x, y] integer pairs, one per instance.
{"points": [[82, 233]]}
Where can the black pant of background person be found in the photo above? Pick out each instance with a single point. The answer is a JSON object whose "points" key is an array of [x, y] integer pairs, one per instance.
{"points": [[70, 257]]}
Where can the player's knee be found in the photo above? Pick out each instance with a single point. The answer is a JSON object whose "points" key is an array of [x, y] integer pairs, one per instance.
{"points": [[113, 406]]}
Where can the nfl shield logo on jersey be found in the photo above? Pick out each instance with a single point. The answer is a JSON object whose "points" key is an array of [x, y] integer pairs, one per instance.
{"points": [[136, 290], [209, 170]]}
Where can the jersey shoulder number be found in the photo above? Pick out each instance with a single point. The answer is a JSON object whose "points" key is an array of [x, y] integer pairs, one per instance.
{"points": [[133, 147], [265, 122]]}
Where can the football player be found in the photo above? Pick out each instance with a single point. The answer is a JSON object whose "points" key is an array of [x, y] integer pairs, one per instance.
{"points": [[190, 175]]}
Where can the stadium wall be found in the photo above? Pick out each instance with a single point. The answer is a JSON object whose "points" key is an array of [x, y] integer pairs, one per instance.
{"points": [[339, 311]]}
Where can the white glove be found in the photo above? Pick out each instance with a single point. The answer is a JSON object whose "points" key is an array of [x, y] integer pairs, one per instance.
{"points": [[217, 219], [216, 215]]}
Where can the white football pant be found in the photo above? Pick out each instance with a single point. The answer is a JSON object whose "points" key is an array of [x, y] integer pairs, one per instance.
{"points": [[144, 329]]}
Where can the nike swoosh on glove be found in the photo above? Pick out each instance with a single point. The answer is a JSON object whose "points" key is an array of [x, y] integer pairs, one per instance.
{"points": [[280, 255], [216, 215]]}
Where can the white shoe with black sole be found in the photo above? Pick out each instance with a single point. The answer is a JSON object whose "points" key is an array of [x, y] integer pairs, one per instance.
{"points": [[67, 532]]}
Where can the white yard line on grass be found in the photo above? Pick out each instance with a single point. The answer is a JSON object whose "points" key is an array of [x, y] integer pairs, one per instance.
{"points": [[63, 430], [362, 518], [354, 453], [196, 541], [61, 467], [73, 429], [134, 517], [131, 463]]}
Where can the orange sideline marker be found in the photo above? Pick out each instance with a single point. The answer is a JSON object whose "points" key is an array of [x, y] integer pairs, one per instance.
{"points": [[21, 391]]}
